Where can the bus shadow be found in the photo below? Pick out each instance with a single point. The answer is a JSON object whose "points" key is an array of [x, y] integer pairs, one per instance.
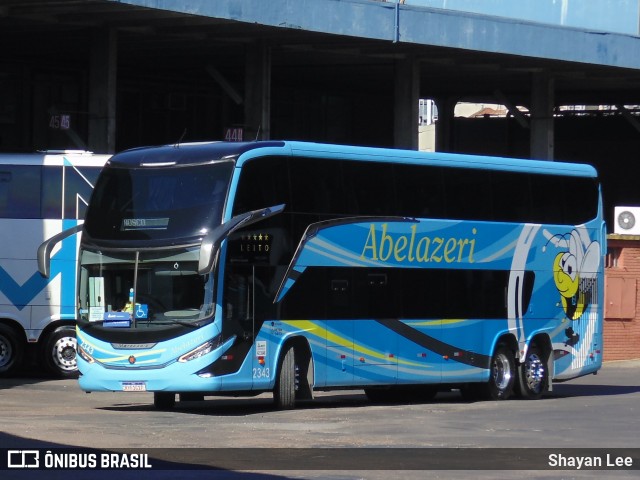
{"points": [[250, 406], [20, 380], [243, 407], [572, 390]]}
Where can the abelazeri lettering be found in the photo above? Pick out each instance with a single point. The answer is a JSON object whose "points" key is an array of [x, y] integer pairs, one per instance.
{"points": [[381, 246]]}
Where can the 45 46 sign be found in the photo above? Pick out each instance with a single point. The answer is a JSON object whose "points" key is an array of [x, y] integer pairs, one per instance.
{"points": [[60, 122]]}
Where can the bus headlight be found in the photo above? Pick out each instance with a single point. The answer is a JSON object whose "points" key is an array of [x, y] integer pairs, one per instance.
{"points": [[84, 355], [197, 352]]}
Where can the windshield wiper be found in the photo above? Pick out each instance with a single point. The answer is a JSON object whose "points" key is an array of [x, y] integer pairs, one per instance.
{"points": [[184, 323]]}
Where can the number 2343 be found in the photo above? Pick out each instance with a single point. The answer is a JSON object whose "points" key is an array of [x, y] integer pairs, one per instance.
{"points": [[261, 373]]}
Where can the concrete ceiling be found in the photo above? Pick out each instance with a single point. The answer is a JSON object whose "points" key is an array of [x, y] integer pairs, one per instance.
{"points": [[176, 43]]}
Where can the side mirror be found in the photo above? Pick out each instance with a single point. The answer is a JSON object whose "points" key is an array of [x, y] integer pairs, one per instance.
{"points": [[210, 245], [45, 249]]}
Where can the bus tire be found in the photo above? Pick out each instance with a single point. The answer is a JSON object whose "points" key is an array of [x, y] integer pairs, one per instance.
{"points": [[502, 375], [533, 374], [164, 400], [284, 393], [59, 352], [11, 350]]}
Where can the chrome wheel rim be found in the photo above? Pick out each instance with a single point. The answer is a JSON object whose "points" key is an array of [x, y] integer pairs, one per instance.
{"points": [[534, 372], [502, 372], [64, 354]]}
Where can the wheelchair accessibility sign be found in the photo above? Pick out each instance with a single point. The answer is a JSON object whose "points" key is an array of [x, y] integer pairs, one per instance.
{"points": [[141, 311]]}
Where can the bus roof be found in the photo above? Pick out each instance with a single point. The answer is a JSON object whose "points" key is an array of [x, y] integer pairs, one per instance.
{"points": [[441, 159], [193, 153]]}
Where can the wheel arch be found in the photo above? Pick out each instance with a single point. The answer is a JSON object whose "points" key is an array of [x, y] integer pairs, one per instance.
{"points": [[304, 362], [53, 326], [508, 340], [16, 326]]}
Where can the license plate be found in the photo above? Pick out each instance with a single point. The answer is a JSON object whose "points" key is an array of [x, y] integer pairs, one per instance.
{"points": [[134, 387]]}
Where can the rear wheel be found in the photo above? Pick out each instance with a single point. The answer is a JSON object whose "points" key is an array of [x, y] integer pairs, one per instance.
{"points": [[533, 375], [59, 352], [284, 393], [502, 375], [11, 350]]}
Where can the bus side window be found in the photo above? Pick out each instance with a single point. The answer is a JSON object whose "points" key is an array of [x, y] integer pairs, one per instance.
{"points": [[421, 191], [511, 197], [372, 187], [20, 191], [263, 183], [317, 188], [468, 194], [547, 198]]}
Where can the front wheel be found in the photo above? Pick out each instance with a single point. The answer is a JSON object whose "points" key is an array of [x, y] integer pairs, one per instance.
{"points": [[284, 393], [59, 352], [11, 350], [533, 374], [502, 375]]}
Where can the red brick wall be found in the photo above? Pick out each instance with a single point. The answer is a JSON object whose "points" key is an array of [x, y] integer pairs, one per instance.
{"points": [[622, 335]]}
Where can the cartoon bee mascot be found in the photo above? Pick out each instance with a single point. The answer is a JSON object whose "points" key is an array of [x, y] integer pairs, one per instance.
{"points": [[574, 274]]}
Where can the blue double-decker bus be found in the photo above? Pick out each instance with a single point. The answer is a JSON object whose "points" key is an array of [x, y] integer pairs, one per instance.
{"points": [[291, 267]]}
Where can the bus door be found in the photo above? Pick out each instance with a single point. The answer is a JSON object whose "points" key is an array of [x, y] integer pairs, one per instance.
{"points": [[251, 282]]}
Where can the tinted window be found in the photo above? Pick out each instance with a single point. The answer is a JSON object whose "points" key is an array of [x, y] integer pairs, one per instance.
{"points": [[511, 197], [317, 187], [321, 189], [420, 191], [263, 183], [158, 203], [468, 194], [371, 188], [78, 185], [580, 200], [20, 191], [364, 293]]}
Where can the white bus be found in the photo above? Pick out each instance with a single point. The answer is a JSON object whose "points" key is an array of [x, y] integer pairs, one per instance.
{"points": [[41, 195]]}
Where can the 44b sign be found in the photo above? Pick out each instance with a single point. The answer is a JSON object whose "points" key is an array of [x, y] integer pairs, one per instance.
{"points": [[233, 134]]}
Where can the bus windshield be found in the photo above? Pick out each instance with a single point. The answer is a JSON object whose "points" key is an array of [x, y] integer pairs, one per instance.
{"points": [[154, 203], [144, 289]]}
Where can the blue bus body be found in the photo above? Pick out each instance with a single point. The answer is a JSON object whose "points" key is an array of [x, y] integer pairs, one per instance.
{"points": [[366, 301]]}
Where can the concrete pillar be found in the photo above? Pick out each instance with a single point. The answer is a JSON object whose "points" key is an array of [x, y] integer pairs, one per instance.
{"points": [[406, 100], [444, 125], [257, 98], [542, 104], [102, 91]]}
